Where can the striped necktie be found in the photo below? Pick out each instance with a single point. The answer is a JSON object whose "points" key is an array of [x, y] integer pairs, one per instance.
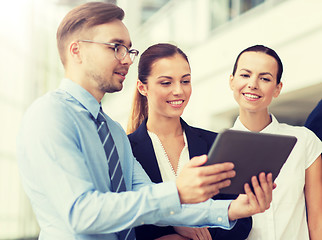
{"points": [[115, 170]]}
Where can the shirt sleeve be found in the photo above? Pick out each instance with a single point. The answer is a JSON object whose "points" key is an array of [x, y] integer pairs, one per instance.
{"points": [[211, 213], [57, 179], [313, 146]]}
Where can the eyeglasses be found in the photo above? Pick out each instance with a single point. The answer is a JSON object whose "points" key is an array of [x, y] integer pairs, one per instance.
{"points": [[120, 50]]}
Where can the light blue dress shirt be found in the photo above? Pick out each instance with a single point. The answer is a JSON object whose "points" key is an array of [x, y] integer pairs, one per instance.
{"points": [[65, 174]]}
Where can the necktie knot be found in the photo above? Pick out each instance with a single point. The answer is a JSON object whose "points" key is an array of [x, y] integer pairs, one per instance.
{"points": [[100, 117]]}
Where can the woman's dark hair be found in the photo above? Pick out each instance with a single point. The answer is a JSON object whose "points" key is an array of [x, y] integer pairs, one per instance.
{"points": [[152, 54], [266, 50]]}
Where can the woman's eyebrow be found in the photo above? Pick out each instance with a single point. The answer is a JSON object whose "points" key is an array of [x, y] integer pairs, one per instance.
{"points": [[186, 75], [168, 77], [245, 69], [262, 73], [266, 73]]}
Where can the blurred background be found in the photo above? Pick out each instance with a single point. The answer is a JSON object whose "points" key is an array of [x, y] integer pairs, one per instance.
{"points": [[210, 32]]}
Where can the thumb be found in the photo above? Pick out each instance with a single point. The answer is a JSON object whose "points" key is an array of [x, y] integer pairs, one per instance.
{"points": [[198, 161]]}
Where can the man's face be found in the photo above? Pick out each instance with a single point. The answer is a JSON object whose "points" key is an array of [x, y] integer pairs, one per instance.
{"points": [[102, 71]]}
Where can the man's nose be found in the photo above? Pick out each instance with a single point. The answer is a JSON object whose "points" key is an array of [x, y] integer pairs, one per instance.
{"points": [[127, 60]]}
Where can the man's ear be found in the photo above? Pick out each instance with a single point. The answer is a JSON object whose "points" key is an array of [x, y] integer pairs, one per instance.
{"points": [[74, 52], [141, 87]]}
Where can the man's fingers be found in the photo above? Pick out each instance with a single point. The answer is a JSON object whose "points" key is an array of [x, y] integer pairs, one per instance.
{"points": [[217, 168], [212, 174], [197, 183], [260, 195], [264, 191], [267, 186], [198, 161], [214, 189], [251, 196], [223, 184], [217, 178], [210, 169], [203, 233], [270, 179], [271, 184]]}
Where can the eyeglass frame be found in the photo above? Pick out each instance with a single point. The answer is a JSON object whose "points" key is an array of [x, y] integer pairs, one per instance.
{"points": [[134, 52]]}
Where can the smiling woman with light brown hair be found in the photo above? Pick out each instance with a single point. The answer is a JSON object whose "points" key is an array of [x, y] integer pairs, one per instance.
{"points": [[162, 141]]}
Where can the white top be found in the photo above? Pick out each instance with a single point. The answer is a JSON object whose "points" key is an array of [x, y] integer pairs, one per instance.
{"points": [[167, 172], [286, 218]]}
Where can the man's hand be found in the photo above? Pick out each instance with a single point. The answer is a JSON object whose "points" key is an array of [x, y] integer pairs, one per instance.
{"points": [[172, 237], [194, 233], [249, 204], [197, 183]]}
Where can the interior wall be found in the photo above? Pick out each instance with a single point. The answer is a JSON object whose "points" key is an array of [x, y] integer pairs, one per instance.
{"points": [[296, 36]]}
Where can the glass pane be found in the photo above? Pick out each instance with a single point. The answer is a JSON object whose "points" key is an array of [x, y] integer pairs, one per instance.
{"points": [[219, 12], [249, 4]]}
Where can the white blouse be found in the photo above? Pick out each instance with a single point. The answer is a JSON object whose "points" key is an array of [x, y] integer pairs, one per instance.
{"points": [[167, 172], [286, 218]]}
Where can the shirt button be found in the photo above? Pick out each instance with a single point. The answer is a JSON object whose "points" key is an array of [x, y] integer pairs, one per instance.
{"points": [[171, 212], [142, 223], [219, 219]]}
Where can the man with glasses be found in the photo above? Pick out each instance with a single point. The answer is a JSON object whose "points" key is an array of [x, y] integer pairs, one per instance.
{"points": [[76, 163]]}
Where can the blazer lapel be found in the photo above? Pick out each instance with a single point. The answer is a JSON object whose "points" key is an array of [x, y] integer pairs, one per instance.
{"points": [[143, 150], [196, 144]]}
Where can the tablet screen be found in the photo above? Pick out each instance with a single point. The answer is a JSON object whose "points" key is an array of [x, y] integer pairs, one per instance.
{"points": [[251, 153]]}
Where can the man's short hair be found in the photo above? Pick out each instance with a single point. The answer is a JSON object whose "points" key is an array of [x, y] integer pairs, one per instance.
{"points": [[82, 18]]}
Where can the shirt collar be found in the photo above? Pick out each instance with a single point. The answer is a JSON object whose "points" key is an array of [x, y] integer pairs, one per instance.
{"points": [[81, 95], [269, 128]]}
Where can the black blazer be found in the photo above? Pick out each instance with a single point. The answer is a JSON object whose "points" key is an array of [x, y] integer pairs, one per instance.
{"points": [[314, 120], [199, 143]]}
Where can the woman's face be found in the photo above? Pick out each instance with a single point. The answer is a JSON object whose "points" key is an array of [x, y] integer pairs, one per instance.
{"points": [[254, 84], [168, 87]]}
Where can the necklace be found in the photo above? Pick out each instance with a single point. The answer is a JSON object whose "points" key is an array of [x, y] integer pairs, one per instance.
{"points": [[166, 155]]}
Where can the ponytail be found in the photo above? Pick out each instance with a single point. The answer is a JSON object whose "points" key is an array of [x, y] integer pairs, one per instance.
{"points": [[139, 112]]}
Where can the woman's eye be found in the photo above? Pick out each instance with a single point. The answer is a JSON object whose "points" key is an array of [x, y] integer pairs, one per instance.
{"points": [[165, 83], [266, 79], [244, 75], [185, 81]]}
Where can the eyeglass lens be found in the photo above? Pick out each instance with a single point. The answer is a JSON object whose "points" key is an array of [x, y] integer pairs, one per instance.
{"points": [[121, 51]]}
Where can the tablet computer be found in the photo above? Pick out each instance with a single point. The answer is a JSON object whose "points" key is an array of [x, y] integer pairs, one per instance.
{"points": [[251, 153]]}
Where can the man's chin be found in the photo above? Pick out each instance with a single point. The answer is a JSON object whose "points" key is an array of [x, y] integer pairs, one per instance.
{"points": [[115, 89]]}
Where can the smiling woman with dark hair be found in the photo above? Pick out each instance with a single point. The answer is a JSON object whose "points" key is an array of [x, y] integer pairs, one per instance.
{"points": [[295, 211]]}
